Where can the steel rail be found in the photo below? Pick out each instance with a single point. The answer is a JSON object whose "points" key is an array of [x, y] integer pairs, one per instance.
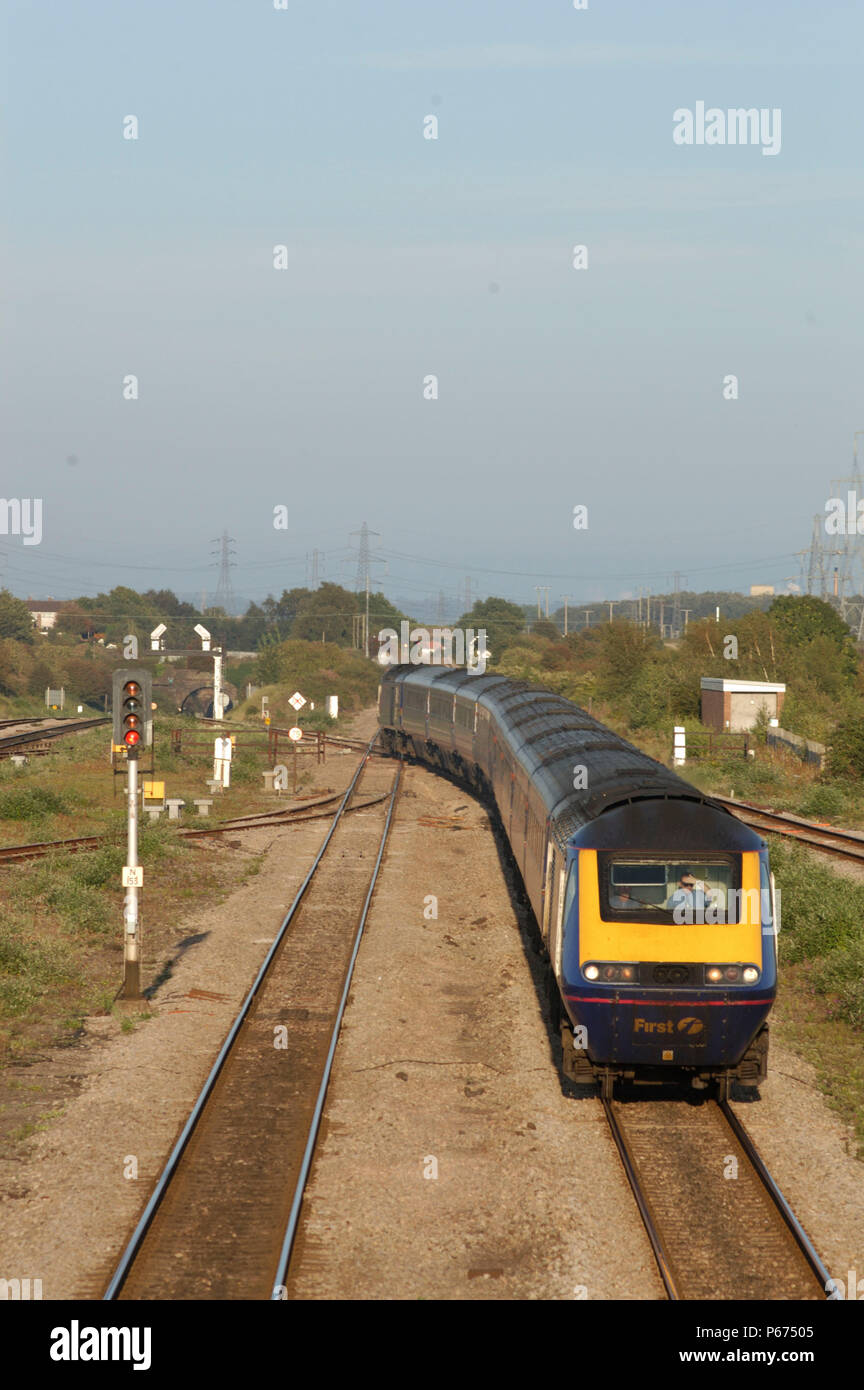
{"points": [[845, 843], [53, 731], [800, 1236], [630, 1168], [671, 1282], [39, 849], [127, 1258], [315, 1123]]}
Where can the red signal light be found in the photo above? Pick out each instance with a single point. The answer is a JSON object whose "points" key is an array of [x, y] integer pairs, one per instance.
{"points": [[132, 737]]}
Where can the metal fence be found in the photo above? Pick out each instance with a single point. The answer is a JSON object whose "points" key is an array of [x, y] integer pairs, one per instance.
{"points": [[716, 743]]}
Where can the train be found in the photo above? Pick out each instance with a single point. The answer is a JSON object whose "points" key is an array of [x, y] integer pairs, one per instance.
{"points": [[655, 904]]}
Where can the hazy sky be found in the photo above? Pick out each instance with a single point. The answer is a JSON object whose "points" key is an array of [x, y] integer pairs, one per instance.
{"points": [[408, 257]]}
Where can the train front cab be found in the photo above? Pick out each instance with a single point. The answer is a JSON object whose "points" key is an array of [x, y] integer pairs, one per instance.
{"points": [[652, 998]]}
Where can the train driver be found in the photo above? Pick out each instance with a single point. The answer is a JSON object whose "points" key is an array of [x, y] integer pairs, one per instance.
{"points": [[623, 898], [690, 898]]}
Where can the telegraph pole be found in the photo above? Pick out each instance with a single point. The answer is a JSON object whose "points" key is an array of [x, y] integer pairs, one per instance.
{"points": [[566, 598], [366, 623], [538, 587], [612, 603], [588, 612]]}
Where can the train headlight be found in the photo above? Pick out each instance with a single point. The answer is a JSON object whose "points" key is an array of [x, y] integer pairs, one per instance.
{"points": [[611, 972], [731, 974]]}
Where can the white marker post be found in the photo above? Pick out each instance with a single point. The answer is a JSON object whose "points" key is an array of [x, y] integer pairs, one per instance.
{"points": [[218, 755], [295, 736], [217, 683], [679, 751]]}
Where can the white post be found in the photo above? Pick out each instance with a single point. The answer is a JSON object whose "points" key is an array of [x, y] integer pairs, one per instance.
{"points": [[217, 760], [333, 706], [226, 762], [131, 943], [679, 751], [217, 685]]}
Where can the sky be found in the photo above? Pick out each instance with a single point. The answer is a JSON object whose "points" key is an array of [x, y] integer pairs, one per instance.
{"points": [[408, 258]]}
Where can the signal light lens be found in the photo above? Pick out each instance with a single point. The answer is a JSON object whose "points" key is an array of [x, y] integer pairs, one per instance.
{"points": [[131, 737], [131, 688]]}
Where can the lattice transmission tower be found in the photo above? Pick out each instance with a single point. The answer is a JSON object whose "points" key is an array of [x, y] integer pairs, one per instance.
{"points": [[224, 588]]}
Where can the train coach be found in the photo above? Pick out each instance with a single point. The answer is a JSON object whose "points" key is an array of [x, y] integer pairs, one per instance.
{"points": [[655, 903]]}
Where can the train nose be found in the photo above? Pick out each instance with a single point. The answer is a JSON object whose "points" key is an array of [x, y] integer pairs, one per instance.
{"points": [[657, 1033]]}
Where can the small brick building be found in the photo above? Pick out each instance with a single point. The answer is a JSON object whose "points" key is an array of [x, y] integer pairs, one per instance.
{"points": [[734, 705]]}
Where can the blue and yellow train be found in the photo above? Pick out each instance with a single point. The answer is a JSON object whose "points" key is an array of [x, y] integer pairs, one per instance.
{"points": [[655, 904]]}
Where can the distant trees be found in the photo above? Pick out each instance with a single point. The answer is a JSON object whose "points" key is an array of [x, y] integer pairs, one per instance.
{"points": [[503, 622], [318, 670], [15, 620]]}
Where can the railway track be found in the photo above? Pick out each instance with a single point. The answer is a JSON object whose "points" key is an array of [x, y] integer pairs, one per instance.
{"points": [[42, 731], [846, 844], [719, 1226], [221, 1220], [291, 815]]}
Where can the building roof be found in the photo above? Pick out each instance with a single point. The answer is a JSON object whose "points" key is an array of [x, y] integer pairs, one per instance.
{"points": [[758, 687]]}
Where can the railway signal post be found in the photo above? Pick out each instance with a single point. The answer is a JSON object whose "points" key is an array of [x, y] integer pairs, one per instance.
{"points": [[133, 729]]}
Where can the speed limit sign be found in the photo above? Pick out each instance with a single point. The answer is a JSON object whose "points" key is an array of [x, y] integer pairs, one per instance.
{"points": [[295, 734]]}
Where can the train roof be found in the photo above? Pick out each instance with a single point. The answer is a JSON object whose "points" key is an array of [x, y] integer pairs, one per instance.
{"points": [[550, 737]]}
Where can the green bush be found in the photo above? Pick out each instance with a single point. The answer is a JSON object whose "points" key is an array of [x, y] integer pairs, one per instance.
{"points": [[841, 977], [846, 754], [28, 969], [820, 912], [647, 705], [83, 907], [822, 801], [97, 868], [30, 803]]}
